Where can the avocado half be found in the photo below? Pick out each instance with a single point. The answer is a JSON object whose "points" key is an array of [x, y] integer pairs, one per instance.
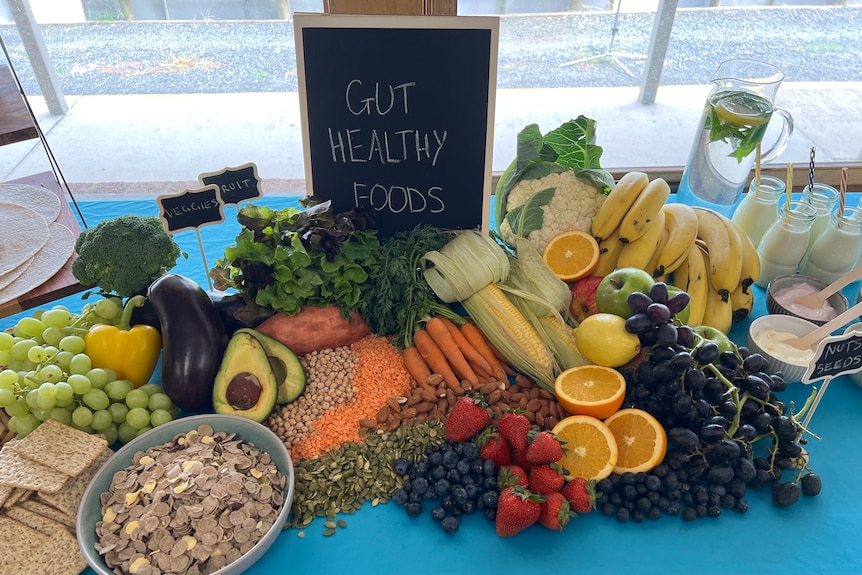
{"points": [[256, 372], [284, 364]]}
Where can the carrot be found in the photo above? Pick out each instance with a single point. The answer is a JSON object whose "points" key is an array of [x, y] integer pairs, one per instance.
{"points": [[416, 366], [447, 344], [477, 361], [475, 337], [434, 357]]}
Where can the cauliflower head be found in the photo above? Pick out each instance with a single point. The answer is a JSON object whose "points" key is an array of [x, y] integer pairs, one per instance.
{"points": [[124, 255], [539, 209]]}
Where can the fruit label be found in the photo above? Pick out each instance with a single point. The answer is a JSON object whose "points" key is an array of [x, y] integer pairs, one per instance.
{"points": [[235, 185], [835, 355]]}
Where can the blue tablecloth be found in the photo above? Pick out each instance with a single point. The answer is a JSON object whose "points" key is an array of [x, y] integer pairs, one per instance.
{"points": [[817, 535]]}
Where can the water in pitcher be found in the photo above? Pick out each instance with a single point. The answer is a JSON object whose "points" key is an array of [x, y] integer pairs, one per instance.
{"points": [[732, 124]]}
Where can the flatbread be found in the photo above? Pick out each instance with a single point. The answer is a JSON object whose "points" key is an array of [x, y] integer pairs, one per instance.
{"points": [[61, 447], [44, 202], [45, 263], [24, 234]]}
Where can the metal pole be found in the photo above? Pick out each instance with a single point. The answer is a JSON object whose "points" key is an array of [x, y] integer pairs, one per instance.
{"points": [[662, 26]]}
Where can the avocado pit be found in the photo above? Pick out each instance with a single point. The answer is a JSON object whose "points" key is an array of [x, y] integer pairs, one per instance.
{"points": [[243, 391]]}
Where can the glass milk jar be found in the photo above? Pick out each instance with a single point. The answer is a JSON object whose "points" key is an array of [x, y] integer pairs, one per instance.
{"points": [[785, 242], [823, 197], [837, 249], [759, 208]]}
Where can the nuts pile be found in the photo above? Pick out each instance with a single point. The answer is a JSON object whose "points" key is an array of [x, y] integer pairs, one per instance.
{"points": [[433, 399], [192, 505]]}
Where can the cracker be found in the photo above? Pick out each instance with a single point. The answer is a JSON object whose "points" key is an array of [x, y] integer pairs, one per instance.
{"points": [[63, 556], [26, 551], [17, 495], [69, 498], [5, 492], [62, 448], [48, 511], [21, 472], [35, 520]]}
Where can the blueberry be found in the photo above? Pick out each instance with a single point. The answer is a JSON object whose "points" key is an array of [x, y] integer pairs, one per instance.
{"points": [[489, 482], [447, 503], [420, 485], [453, 476], [441, 487], [469, 506], [438, 513], [490, 513], [471, 451], [489, 498], [414, 509], [450, 459], [472, 491], [415, 497], [400, 496], [463, 466], [490, 468], [420, 469], [477, 466], [429, 495], [401, 466], [435, 458], [438, 472], [459, 495], [459, 448], [450, 524]]}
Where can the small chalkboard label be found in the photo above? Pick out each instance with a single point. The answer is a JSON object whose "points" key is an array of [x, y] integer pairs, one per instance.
{"points": [[191, 209], [397, 114], [835, 355], [235, 185]]}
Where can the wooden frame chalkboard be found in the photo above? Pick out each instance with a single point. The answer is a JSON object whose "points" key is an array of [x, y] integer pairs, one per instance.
{"points": [[398, 112]]}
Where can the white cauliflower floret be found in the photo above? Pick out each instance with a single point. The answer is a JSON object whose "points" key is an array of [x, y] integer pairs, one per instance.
{"points": [[573, 206]]}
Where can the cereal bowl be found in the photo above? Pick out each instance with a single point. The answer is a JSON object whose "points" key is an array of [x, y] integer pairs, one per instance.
{"points": [[838, 302], [799, 327], [245, 430]]}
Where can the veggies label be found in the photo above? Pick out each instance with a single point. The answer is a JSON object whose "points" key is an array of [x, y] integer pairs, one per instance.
{"points": [[191, 209], [235, 185], [397, 113], [836, 355]]}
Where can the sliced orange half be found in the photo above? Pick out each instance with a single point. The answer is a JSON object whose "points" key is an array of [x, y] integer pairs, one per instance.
{"points": [[572, 255], [640, 438], [591, 450], [593, 390]]}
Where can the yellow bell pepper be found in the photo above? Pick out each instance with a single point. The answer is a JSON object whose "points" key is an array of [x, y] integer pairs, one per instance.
{"points": [[131, 352]]}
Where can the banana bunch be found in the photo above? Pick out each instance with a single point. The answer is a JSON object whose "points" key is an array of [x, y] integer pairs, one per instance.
{"points": [[696, 249]]}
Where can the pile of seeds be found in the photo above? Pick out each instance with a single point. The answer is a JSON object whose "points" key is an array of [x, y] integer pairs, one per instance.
{"points": [[191, 505], [328, 383], [351, 474]]}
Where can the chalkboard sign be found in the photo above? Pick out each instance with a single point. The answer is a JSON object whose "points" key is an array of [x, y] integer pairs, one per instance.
{"points": [[191, 209], [398, 114], [836, 355], [235, 185]]}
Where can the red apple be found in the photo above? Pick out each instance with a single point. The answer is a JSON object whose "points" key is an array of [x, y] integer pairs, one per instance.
{"points": [[584, 297]]}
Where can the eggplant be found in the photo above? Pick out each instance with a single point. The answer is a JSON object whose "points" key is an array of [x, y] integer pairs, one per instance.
{"points": [[193, 341]]}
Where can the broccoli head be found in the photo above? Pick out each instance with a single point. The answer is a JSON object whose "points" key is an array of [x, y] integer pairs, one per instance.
{"points": [[125, 254]]}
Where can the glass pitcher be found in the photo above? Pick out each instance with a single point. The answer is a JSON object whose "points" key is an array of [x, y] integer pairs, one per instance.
{"points": [[734, 120]]}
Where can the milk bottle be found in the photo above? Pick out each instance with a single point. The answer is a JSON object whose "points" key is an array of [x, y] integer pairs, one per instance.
{"points": [[837, 249], [823, 197], [759, 208], [785, 242]]}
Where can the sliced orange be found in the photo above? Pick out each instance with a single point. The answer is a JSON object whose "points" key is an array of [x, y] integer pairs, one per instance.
{"points": [[591, 450], [640, 438], [572, 255], [593, 390]]}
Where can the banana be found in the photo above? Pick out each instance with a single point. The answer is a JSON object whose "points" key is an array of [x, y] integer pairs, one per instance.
{"points": [[741, 302], [718, 312], [644, 210], [750, 260], [638, 253], [617, 204], [696, 283], [681, 225], [725, 250], [609, 253], [652, 266]]}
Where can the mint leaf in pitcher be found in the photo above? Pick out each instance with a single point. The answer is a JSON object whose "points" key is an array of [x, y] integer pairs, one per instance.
{"points": [[738, 119]]}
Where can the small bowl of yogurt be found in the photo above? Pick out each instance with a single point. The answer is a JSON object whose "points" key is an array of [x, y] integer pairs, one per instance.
{"points": [[768, 336], [783, 291]]}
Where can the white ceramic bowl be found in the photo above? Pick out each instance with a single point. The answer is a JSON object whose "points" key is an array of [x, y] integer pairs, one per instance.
{"points": [[855, 377], [838, 301], [782, 323], [89, 512]]}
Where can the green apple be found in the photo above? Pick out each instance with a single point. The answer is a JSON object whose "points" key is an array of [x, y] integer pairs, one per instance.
{"points": [[686, 311], [720, 339], [614, 290]]}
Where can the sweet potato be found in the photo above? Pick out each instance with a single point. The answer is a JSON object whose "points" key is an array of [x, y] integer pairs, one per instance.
{"points": [[315, 328]]}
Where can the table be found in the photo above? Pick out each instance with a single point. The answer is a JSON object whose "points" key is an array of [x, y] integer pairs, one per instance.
{"points": [[16, 124], [817, 535]]}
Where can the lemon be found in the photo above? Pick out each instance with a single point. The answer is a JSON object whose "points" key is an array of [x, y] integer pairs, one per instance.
{"points": [[742, 110], [602, 339]]}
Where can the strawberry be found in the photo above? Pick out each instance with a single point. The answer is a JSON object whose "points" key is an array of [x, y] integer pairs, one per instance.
{"points": [[545, 478], [581, 494], [515, 426], [517, 509], [545, 448], [519, 458], [467, 417], [555, 512], [511, 475], [493, 445]]}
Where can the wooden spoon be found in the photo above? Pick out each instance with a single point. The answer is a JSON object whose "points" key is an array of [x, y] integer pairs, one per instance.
{"points": [[815, 300], [815, 336]]}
